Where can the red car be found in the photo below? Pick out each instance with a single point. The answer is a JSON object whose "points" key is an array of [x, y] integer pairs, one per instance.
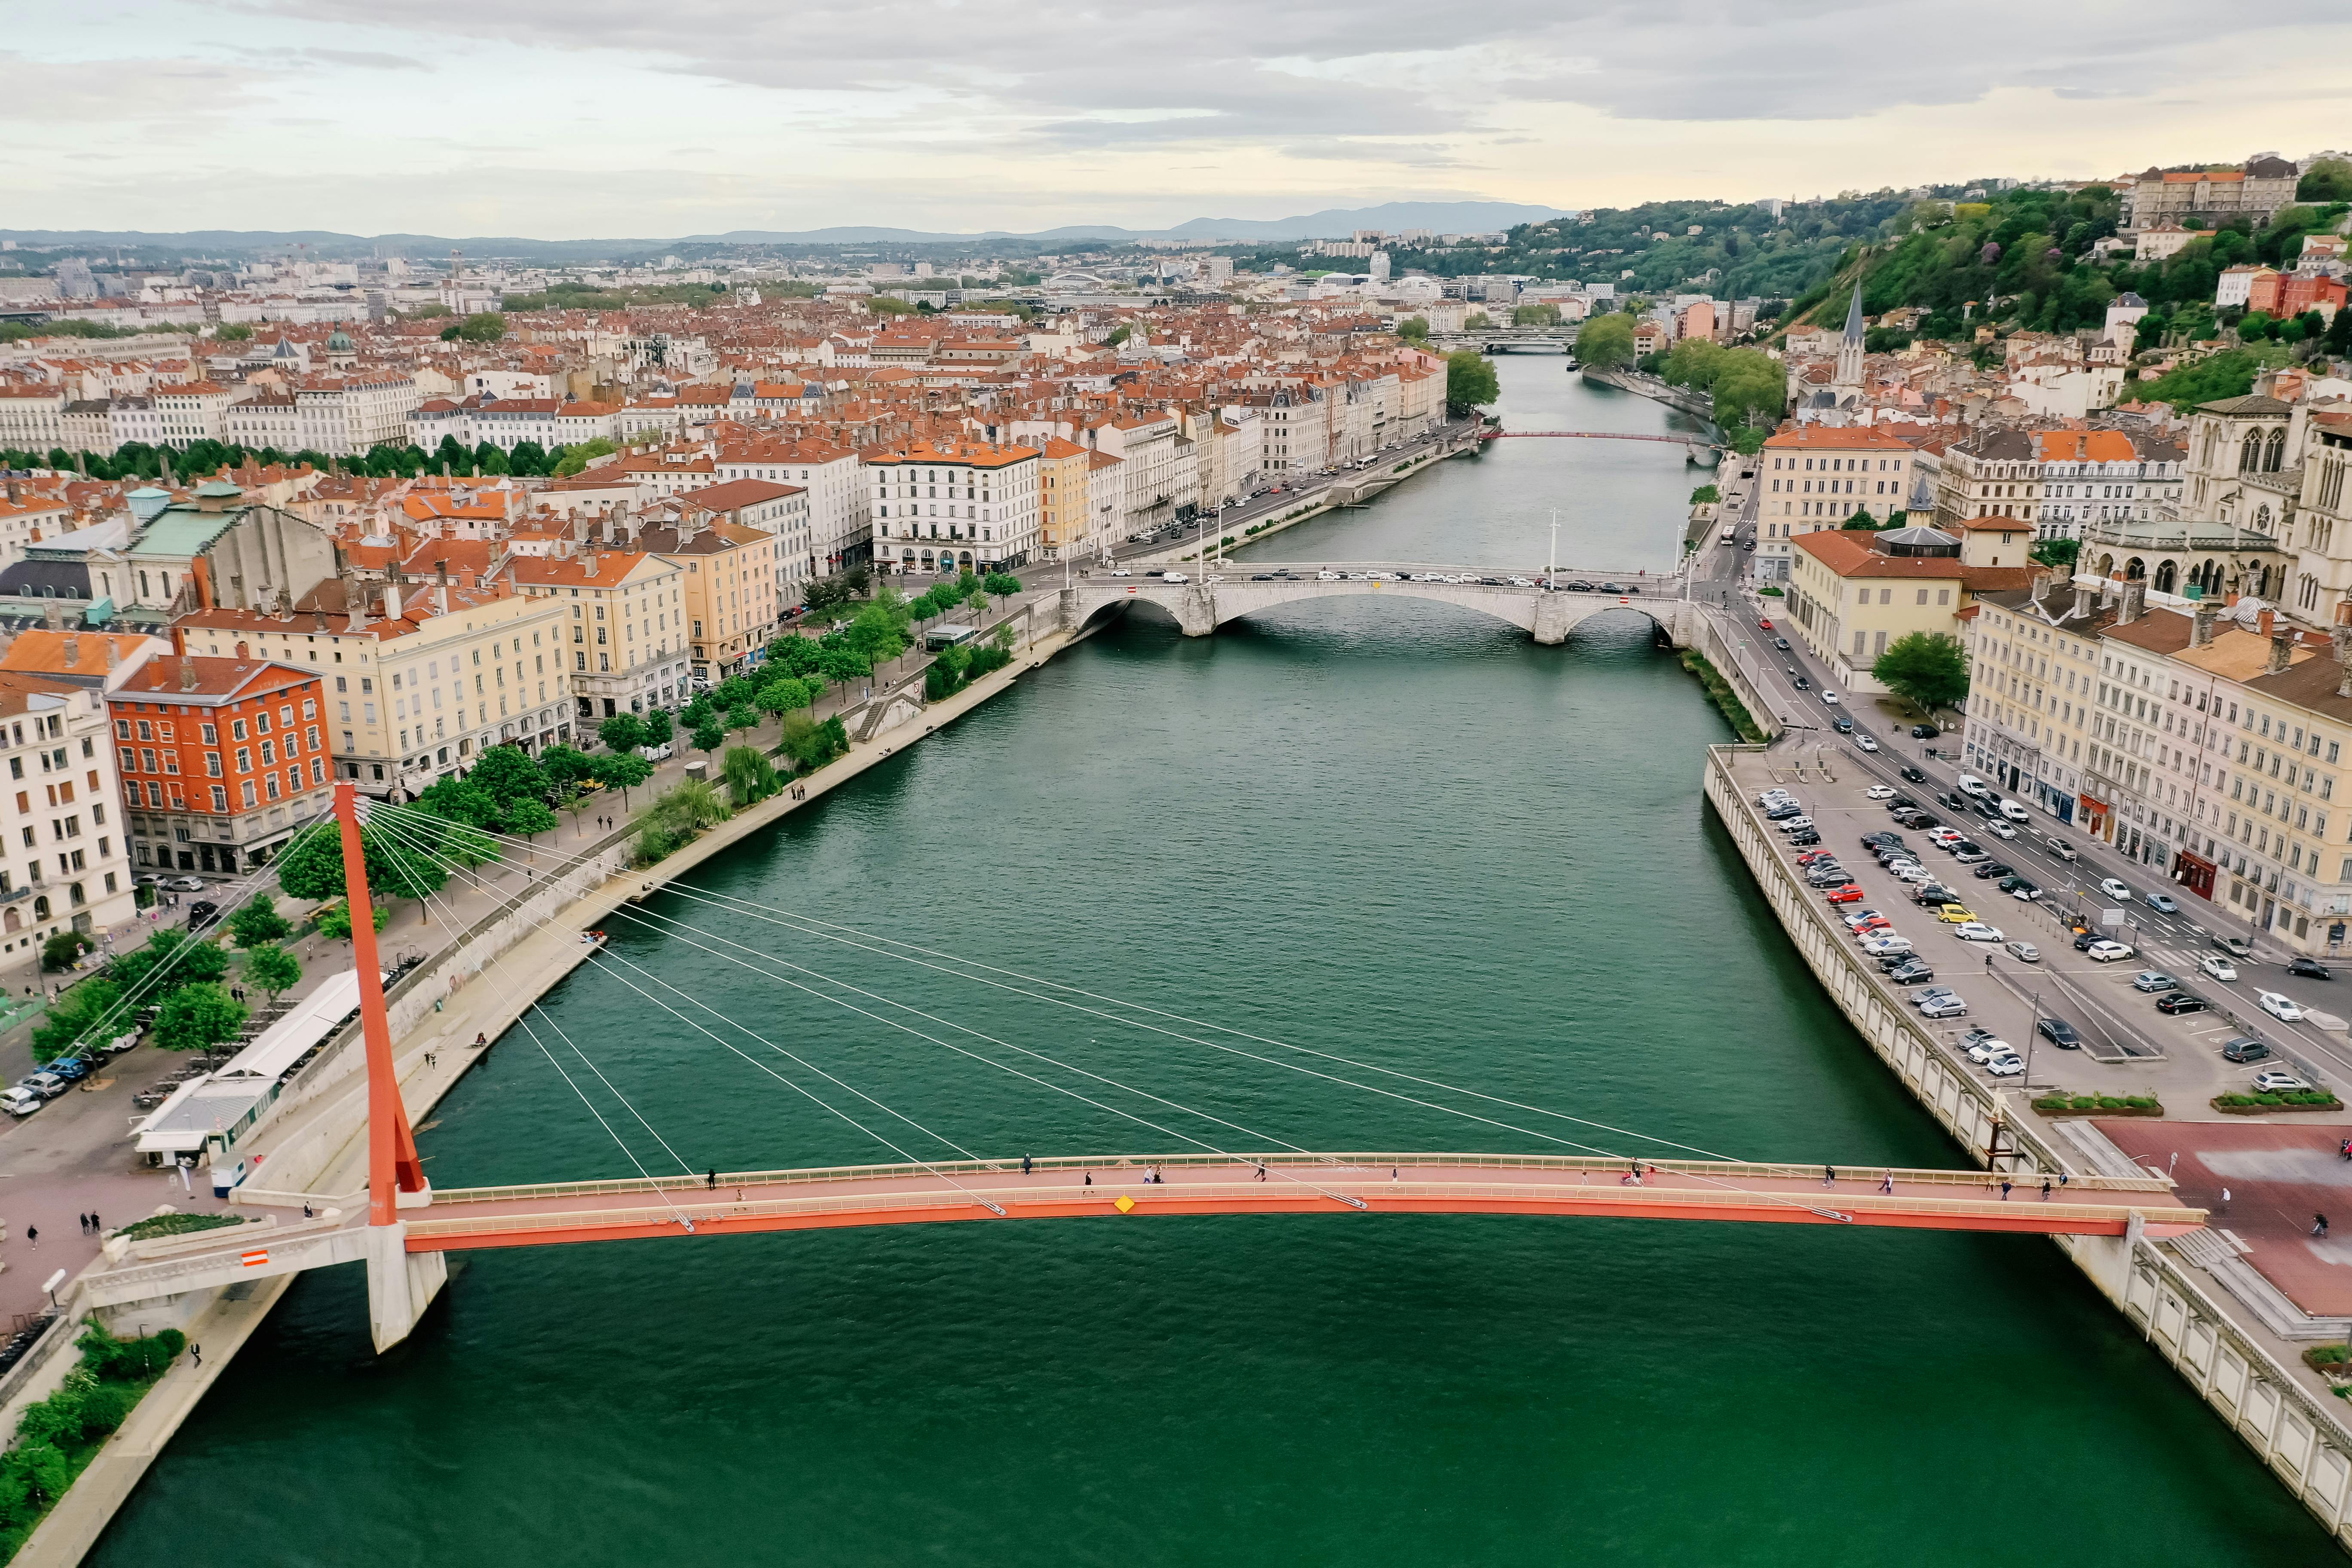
{"points": [[1765, 624], [1809, 855], [1849, 894], [1875, 922]]}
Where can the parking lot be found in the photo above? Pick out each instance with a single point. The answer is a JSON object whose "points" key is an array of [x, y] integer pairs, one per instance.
{"points": [[2126, 1046]]}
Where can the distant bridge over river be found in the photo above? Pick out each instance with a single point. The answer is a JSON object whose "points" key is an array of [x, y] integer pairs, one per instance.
{"points": [[1201, 603]]}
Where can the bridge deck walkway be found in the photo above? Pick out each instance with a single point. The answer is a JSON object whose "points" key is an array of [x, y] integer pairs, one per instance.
{"points": [[1413, 1183]]}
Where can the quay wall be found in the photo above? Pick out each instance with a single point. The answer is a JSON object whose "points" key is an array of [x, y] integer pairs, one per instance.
{"points": [[2306, 1444]]}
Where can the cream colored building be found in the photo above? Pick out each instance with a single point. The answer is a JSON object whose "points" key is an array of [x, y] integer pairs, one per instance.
{"points": [[65, 862], [420, 676], [624, 611], [1815, 476]]}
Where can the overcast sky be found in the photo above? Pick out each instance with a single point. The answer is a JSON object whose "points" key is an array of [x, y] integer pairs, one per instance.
{"points": [[602, 117]]}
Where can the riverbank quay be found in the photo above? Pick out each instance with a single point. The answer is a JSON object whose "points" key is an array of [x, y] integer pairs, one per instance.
{"points": [[1657, 391], [492, 969], [2254, 1379]]}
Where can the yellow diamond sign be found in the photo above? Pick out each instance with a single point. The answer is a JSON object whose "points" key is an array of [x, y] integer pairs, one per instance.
{"points": [[1124, 1203]]}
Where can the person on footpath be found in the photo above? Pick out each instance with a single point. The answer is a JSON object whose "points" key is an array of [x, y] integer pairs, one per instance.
{"points": [[2319, 1224]]}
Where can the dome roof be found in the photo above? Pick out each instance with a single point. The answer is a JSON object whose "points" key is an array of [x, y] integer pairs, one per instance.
{"points": [[340, 342], [1919, 542]]}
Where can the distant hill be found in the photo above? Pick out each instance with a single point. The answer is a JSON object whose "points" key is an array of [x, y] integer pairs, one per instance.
{"points": [[1448, 217]]}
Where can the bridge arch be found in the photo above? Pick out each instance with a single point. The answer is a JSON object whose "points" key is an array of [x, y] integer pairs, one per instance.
{"points": [[1200, 608]]}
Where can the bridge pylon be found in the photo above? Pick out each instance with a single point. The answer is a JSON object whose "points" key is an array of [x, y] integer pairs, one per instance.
{"points": [[400, 1285]]}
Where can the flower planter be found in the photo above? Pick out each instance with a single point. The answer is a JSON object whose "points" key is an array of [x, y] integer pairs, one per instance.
{"points": [[2071, 1109]]}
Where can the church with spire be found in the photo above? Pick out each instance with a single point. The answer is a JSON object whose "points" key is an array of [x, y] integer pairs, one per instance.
{"points": [[1849, 359]]}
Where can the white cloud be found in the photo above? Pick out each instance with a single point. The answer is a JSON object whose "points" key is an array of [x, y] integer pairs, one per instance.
{"points": [[602, 118]]}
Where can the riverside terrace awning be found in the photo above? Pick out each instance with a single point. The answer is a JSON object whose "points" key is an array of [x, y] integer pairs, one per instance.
{"points": [[290, 1039], [215, 1109]]}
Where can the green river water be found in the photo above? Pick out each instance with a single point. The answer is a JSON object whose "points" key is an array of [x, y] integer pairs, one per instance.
{"points": [[1394, 831]]}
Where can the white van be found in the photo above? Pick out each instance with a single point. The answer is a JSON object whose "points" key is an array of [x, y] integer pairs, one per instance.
{"points": [[2014, 812], [1174, 577], [1972, 784]]}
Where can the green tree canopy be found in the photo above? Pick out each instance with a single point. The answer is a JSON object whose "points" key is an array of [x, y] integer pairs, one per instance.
{"points": [[1928, 670], [623, 771], [272, 968], [749, 775], [1413, 329], [2328, 180], [257, 921], [1469, 382], [312, 867], [90, 1015], [1605, 342], [1535, 316], [622, 732], [196, 1016]]}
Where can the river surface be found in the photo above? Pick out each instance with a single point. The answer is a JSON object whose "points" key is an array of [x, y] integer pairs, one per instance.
{"points": [[1394, 831]]}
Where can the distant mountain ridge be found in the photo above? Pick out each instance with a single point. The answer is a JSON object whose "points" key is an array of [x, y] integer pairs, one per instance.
{"points": [[1333, 223]]}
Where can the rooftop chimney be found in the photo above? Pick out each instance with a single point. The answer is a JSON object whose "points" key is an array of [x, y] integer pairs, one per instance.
{"points": [[2282, 650], [2266, 619], [187, 675], [73, 650], [2082, 592], [2200, 623], [180, 641], [2133, 603], [111, 653], [392, 600]]}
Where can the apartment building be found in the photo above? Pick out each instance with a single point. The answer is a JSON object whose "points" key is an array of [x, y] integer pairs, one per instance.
{"points": [[1063, 514], [221, 760], [624, 611], [779, 510], [2161, 199], [65, 864], [190, 411], [418, 675], [32, 414], [735, 581], [838, 494], [344, 415], [2063, 480], [2033, 659], [1816, 477], [952, 504]]}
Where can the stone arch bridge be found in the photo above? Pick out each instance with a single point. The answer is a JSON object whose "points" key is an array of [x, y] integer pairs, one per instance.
{"points": [[1201, 606]]}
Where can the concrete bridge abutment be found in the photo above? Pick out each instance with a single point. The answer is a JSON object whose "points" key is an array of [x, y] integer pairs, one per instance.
{"points": [[401, 1283]]}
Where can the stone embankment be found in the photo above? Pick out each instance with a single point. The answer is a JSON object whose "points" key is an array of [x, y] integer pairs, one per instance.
{"points": [[2299, 1432]]}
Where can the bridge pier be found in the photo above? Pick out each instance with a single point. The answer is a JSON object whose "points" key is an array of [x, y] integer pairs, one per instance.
{"points": [[1553, 618], [1196, 610], [401, 1283]]}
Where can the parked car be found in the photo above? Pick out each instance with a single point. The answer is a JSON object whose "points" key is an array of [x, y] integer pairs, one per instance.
{"points": [[2107, 952], [2006, 1067], [2059, 1033], [1857, 919], [1991, 868], [1976, 930], [2179, 1002], [19, 1102], [1908, 971], [73, 1069], [1849, 894], [1982, 1045], [2310, 968], [2084, 939], [1945, 1008], [47, 1085], [1806, 839], [2163, 904], [1879, 792], [2020, 887], [2025, 952], [2271, 1081], [1781, 810], [2284, 1009], [2153, 980], [2245, 1050], [1925, 732], [1968, 854], [1934, 896], [1955, 914], [2216, 968], [1889, 946], [186, 884]]}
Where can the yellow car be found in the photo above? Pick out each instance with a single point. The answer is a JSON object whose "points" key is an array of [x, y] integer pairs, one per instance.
{"points": [[1955, 914]]}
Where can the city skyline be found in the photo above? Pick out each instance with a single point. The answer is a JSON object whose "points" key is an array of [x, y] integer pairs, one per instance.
{"points": [[717, 115]]}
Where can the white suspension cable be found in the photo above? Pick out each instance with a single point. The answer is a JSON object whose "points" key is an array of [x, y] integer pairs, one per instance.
{"points": [[947, 1044], [547, 921], [522, 1019], [810, 925]]}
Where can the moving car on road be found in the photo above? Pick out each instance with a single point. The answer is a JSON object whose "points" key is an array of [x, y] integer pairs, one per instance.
{"points": [[1865, 742], [2025, 952], [2163, 904], [2309, 968], [2216, 968], [2059, 849], [2115, 889], [2280, 1008], [2235, 946]]}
